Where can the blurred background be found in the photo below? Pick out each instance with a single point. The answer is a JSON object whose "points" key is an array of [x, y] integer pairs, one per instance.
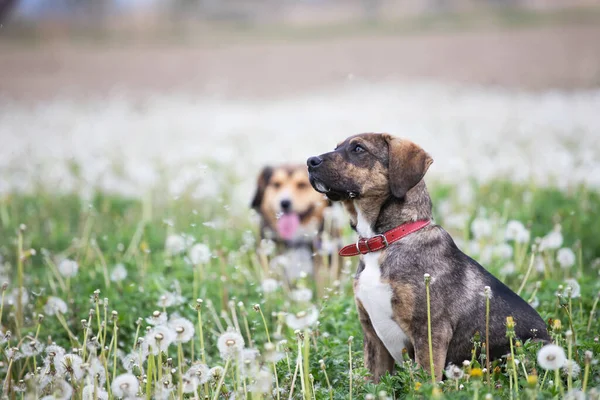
{"points": [[118, 91]]}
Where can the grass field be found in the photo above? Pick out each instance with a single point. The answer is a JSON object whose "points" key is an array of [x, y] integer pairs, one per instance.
{"points": [[102, 280], [133, 265]]}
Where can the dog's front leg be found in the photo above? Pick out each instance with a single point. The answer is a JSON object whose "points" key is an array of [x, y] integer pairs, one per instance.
{"points": [[377, 359], [440, 339]]}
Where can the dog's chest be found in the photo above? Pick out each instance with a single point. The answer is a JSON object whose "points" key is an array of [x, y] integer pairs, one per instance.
{"points": [[376, 297]]}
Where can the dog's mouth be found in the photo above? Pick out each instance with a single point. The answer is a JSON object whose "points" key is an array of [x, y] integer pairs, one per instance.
{"points": [[320, 187], [288, 222], [332, 194]]}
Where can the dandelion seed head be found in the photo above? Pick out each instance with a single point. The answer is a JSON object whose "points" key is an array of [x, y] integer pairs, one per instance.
{"points": [[119, 273], [69, 364], [133, 360], [91, 392], [481, 228], [190, 383], [31, 348], [552, 240], [201, 372], [302, 295], [68, 268], [503, 251], [303, 319], [565, 257], [170, 299], [159, 338], [515, 230], [157, 318], [570, 367], [125, 385], [175, 244], [230, 345], [96, 372], [184, 329], [551, 357], [263, 382], [269, 285], [575, 291], [55, 305], [199, 254], [576, 394], [11, 299], [454, 372], [216, 373]]}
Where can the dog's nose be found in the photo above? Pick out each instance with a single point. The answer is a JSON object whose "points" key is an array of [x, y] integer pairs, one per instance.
{"points": [[314, 161], [286, 205]]}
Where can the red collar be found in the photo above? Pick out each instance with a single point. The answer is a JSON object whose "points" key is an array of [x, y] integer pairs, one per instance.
{"points": [[381, 241]]}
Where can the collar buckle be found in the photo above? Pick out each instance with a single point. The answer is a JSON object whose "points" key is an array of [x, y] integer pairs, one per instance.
{"points": [[366, 242], [383, 238]]}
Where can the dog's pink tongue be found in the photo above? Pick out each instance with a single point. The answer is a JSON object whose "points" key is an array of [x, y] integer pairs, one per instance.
{"points": [[287, 225]]}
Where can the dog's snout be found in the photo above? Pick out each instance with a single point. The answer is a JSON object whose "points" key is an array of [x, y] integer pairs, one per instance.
{"points": [[286, 204], [314, 161]]}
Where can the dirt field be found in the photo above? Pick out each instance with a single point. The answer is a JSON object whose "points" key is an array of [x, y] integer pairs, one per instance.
{"points": [[533, 58]]}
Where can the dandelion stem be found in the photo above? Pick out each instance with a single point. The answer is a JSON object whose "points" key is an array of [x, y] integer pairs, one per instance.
{"points": [[149, 376], [264, 323], [526, 277], [300, 363], [514, 366], [586, 374], [20, 258], [306, 360], [329, 388], [276, 379], [487, 334], [592, 313], [180, 369], [216, 396], [570, 355], [294, 377], [431, 366], [247, 328], [2, 303], [544, 379], [6, 385], [4, 214], [62, 321], [350, 367], [159, 367], [85, 336], [556, 379], [103, 263]]}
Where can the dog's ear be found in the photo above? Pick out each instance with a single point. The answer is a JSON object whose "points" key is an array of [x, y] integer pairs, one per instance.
{"points": [[261, 185], [408, 164]]}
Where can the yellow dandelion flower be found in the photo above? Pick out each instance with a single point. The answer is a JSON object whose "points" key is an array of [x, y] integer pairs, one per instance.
{"points": [[510, 323], [476, 373]]}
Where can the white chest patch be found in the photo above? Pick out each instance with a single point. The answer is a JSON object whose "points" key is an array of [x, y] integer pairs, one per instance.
{"points": [[376, 298]]}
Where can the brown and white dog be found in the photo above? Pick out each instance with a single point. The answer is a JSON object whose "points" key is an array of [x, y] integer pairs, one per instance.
{"points": [[379, 178], [291, 211]]}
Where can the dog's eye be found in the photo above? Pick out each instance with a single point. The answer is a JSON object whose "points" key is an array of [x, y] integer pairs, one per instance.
{"points": [[302, 185], [276, 185], [358, 148]]}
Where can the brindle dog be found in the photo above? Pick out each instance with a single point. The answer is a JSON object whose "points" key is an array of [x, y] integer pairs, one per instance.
{"points": [[379, 178]]}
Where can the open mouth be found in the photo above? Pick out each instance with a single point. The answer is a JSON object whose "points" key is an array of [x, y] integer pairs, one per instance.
{"points": [[321, 187]]}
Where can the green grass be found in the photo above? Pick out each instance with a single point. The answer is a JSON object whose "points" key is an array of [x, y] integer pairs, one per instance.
{"points": [[111, 230]]}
